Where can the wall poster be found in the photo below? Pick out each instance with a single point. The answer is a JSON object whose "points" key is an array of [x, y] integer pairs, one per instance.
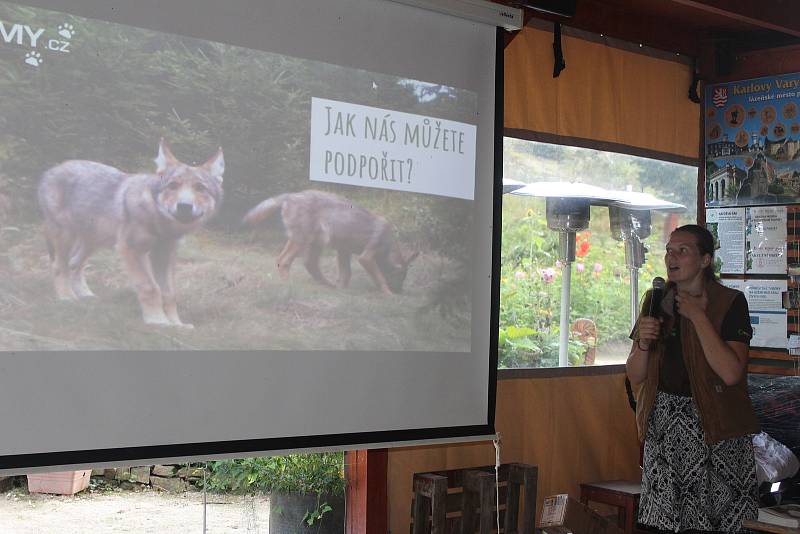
{"points": [[727, 225], [752, 141], [766, 240], [767, 316], [749, 240]]}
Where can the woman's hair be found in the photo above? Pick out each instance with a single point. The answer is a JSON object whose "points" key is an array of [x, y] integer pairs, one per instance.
{"points": [[705, 244]]}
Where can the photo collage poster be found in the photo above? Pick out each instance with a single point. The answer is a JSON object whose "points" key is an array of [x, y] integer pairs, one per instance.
{"points": [[752, 141]]}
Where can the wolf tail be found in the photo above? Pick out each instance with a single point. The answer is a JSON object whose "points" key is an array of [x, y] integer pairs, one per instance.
{"points": [[264, 210]]}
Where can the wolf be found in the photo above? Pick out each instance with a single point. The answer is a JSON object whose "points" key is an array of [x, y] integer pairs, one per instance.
{"points": [[89, 205], [316, 219]]}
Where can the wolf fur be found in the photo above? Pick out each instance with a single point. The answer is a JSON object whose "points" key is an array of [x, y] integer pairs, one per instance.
{"points": [[88, 205], [316, 219]]}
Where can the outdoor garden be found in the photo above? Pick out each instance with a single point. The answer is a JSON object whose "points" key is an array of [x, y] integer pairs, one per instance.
{"points": [[278, 495], [530, 283]]}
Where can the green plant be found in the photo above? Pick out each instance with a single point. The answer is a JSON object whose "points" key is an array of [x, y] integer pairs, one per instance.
{"points": [[526, 347], [314, 516], [320, 474]]}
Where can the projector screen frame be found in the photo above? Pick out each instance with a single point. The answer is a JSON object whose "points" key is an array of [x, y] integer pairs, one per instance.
{"points": [[19, 463]]}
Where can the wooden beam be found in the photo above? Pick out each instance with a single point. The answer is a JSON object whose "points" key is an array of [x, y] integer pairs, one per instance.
{"points": [[367, 491], [776, 16]]}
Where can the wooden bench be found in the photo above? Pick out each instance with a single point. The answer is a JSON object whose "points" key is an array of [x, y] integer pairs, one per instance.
{"points": [[464, 500]]}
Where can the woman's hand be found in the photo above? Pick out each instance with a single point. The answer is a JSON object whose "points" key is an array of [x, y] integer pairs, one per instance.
{"points": [[692, 307], [649, 331]]}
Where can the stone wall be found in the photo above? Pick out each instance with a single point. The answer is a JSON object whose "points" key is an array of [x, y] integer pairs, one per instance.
{"points": [[172, 478]]}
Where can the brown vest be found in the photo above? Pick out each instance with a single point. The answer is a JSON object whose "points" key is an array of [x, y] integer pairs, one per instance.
{"points": [[725, 411]]}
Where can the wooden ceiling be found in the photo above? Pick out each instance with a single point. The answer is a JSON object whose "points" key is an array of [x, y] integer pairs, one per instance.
{"points": [[682, 26]]}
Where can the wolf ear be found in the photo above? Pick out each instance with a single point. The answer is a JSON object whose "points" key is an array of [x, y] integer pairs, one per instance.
{"points": [[165, 158], [216, 165]]}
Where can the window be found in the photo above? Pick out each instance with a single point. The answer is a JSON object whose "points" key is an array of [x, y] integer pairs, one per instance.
{"points": [[530, 283]]}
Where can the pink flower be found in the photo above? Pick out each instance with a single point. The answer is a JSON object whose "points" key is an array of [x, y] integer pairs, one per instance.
{"points": [[520, 275], [548, 275], [598, 267], [558, 264], [580, 267]]}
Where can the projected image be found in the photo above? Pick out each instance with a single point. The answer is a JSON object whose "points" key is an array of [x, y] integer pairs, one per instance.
{"points": [[160, 192]]}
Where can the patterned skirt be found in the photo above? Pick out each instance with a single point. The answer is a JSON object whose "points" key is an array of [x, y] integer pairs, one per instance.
{"points": [[688, 484]]}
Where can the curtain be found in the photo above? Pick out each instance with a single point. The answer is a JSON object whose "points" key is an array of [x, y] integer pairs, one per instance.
{"points": [[606, 95]]}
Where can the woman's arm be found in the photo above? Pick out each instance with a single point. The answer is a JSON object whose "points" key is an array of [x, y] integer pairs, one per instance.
{"points": [[636, 365], [727, 358]]}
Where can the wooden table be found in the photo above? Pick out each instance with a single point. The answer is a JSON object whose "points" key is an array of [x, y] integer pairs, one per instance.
{"points": [[623, 494], [758, 526]]}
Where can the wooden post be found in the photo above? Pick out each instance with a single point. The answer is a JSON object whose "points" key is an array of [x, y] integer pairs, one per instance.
{"points": [[430, 500], [479, 488], [366, 494], [512, 502], [521, 476]]}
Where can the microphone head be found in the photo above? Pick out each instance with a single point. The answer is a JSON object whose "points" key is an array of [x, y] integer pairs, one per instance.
{"points": [[658, 283]]}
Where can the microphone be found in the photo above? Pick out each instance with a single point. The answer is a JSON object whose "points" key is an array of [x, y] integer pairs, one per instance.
{"points": [[655, 297]]}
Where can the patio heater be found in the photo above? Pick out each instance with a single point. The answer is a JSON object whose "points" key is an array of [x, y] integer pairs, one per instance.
{"points": [[567, 206], [630, 218]]}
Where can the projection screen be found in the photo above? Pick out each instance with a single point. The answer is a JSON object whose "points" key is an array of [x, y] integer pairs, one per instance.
{"points": [[244, 226]]}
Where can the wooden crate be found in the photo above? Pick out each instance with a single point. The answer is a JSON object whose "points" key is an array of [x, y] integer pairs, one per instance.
{"points": [[464, 500]]}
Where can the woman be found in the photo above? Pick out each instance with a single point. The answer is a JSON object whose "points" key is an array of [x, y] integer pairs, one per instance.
{"points": [[688, 367]]}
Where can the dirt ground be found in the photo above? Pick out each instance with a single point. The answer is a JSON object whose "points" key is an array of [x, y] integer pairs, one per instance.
{"points": [[121, 511]]}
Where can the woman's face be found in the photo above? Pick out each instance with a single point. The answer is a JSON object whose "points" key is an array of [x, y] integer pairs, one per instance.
{"points": [[683, 259]]}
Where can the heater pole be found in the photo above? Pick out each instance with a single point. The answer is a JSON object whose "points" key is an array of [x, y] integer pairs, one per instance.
{"points": [[566, 253], [631, 227], [563, 346], [634, 295]]}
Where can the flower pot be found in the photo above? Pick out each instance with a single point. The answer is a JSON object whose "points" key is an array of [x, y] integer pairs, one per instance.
{"points": [[61, 482], [288, 510]]}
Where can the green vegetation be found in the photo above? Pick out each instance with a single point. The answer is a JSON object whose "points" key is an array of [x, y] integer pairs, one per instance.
{"points": [[321, 474], [530, 286]]}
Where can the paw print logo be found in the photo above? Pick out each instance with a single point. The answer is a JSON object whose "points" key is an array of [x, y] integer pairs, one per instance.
{"points": [[66, 30], [33, 58]]}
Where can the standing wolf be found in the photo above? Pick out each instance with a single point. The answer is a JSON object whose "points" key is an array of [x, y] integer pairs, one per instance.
{"points": [[315, 219], [88, 205]]}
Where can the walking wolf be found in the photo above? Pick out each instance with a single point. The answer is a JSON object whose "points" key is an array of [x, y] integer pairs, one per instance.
{"points": [[315, 219]]}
